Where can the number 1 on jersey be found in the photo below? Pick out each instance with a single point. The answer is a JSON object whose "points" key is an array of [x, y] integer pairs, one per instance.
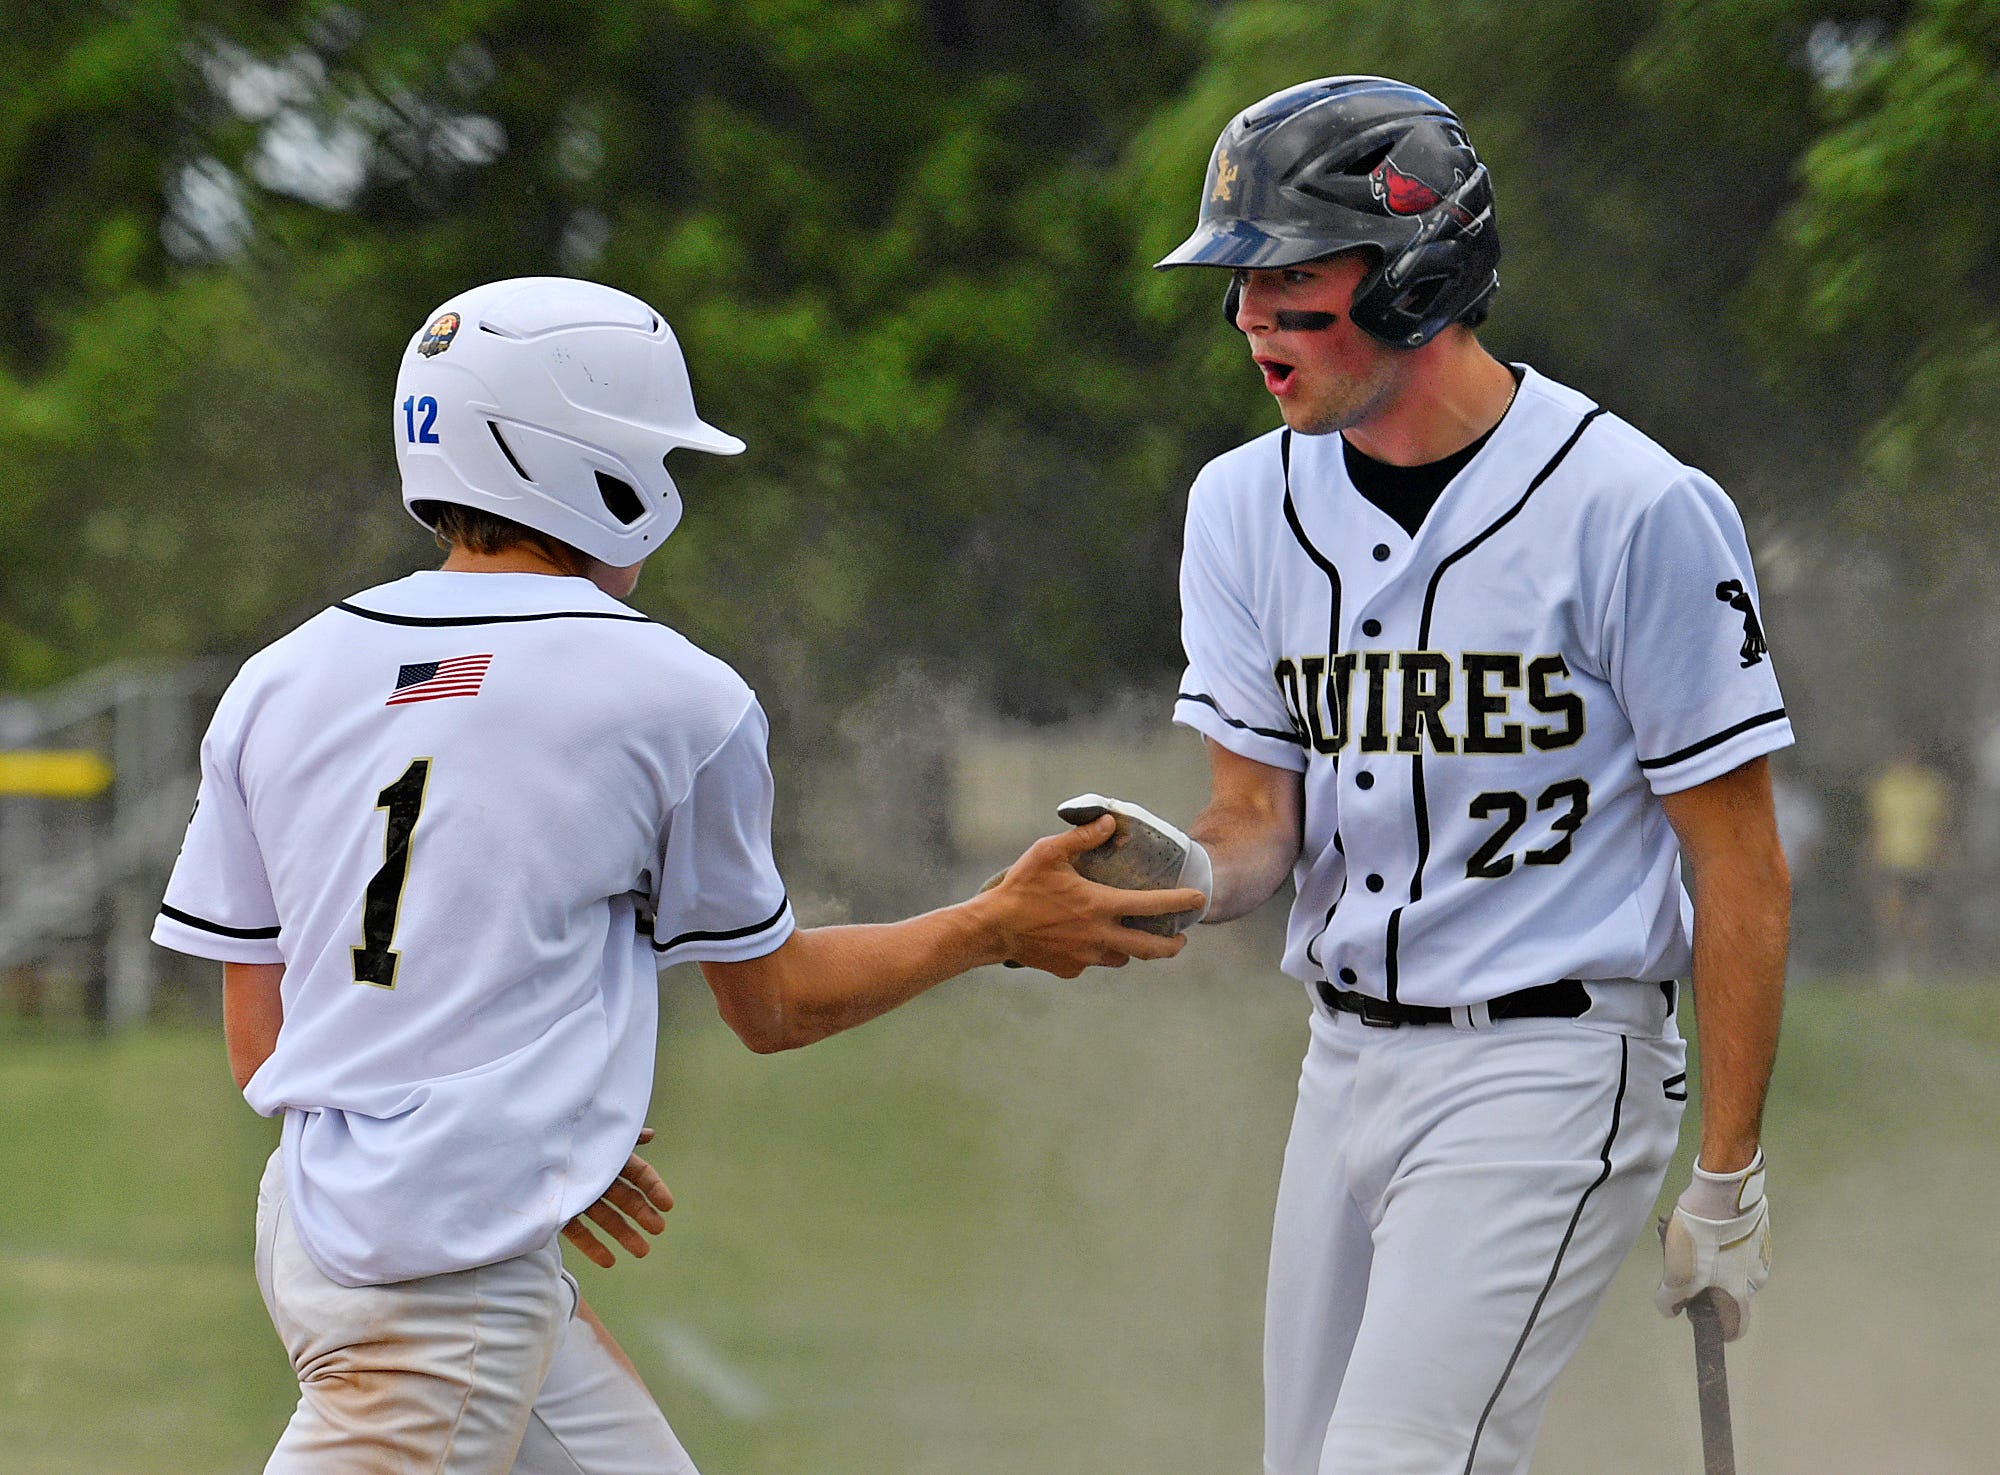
{"points": [[375, 961]]}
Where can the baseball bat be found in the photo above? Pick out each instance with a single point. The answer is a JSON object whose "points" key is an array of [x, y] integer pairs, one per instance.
{"points": [[1711, 1383]]}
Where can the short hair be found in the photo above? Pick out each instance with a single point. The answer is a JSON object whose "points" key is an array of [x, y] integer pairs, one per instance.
{"points": [[455, 525]]}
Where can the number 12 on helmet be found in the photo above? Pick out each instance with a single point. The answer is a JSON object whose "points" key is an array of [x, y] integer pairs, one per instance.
{"points": [[426, 433]]}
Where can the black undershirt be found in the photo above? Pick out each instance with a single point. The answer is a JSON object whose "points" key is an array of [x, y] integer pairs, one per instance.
{"points": [[1407, 493]]}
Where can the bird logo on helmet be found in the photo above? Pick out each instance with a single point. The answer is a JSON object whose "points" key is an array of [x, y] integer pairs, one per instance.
{"points": [[1403, 194]]}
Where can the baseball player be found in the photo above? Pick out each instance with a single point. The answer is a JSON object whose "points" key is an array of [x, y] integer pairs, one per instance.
{"points": [[447, 831], [1479, 665]]}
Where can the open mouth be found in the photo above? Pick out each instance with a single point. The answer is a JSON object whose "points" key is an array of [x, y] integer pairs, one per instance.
{"points": [[1277, 375]]}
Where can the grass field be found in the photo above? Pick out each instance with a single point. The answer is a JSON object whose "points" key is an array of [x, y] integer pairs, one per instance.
{"points": [[1018, 1227]]}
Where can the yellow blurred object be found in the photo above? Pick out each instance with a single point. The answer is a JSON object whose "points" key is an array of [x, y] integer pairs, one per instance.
{"points": [[1908, 804], [73, 773]]}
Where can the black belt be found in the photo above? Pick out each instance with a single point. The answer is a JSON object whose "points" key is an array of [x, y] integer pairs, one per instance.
{"points": [[1565, 999]]}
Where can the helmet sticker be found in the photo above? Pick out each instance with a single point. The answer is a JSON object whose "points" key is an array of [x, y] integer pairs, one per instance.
{"points": [[1225, 176], [437, 338], [1402, 194]]}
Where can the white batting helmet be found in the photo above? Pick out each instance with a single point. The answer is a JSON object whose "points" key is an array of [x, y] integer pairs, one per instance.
{"points": [[553, 403]]}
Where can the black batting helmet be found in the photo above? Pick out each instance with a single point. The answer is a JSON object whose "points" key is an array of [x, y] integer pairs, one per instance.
{"points": [[1350, 162]]}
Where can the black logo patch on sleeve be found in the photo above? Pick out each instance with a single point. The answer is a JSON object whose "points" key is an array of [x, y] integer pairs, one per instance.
{"points": [[1732, 593]]}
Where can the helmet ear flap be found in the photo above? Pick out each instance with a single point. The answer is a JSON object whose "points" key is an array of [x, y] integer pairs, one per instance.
{"points": [[1440, 275], [1232, 300]]}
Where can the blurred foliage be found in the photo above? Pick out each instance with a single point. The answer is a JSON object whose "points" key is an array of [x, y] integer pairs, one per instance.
{"points": [[1883, 285], [905, 244]]}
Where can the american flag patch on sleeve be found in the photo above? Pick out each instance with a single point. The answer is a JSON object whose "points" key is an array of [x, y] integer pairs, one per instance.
{"points": [[427, 681]]}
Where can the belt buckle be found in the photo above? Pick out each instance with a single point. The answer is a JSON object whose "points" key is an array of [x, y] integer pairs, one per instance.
{"points": [[1373, 1013]]}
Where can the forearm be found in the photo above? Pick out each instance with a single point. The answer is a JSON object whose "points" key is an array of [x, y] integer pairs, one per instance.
{"points": [[1742, 924], [1252, 829], [833, 978], [1040, 913], [253, 1012], [1251, 851]]}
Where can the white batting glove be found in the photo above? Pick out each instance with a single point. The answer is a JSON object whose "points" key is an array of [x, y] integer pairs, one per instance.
{"points": [[1145, 853], [1719, 1235]]}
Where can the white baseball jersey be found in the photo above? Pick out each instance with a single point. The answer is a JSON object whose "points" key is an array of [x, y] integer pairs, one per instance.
{"points": [[1483, 711], [470, 813]]}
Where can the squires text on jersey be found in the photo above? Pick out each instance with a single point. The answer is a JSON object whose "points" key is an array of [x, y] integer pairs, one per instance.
{"points": [[1410, 700]]}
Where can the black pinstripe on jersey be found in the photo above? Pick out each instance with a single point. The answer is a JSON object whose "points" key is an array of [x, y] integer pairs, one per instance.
{"points": [[1326, 566], [189, 919], [432, 620], [730, 936], [1776, 714], [1419, 800], [1208, 701]]}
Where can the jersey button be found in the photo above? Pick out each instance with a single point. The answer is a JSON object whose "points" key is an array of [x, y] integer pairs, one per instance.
{"points": [[1348, 975], [1374, 883], [1364, 780], [1381, 552], [1371, 627]]}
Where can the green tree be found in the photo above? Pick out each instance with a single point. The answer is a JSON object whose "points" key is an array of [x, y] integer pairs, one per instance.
{"points": [[1881, 285], [878, 228], [907, 247]]}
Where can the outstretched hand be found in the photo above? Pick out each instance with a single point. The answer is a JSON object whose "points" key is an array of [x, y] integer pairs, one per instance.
{"points": [[637, 1199], [1145, 853], [1053, 919]]}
